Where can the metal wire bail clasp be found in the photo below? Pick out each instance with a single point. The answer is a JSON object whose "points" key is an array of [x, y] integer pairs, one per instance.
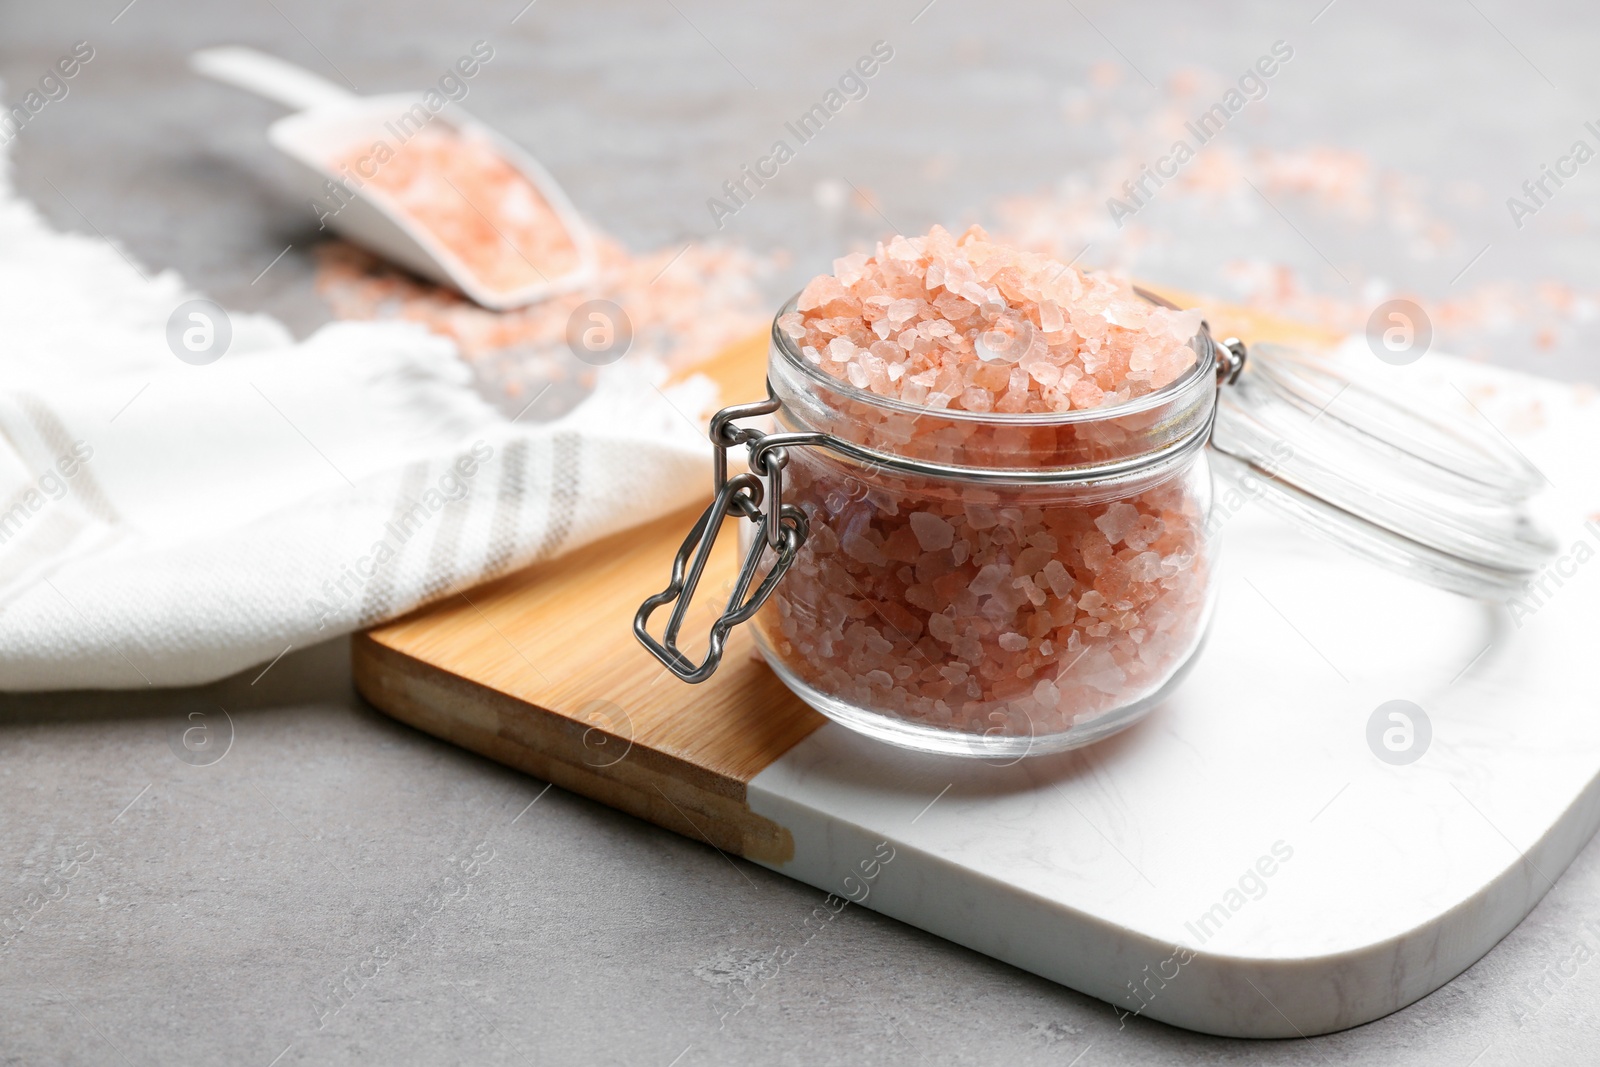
{"points": [[757, 495]]}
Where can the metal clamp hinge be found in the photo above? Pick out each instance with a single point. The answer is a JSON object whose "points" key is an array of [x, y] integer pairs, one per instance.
{"points": [[756, 495]]}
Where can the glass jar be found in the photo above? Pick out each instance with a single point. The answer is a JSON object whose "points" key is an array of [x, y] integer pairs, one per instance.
{"points": [[1006, 584]]}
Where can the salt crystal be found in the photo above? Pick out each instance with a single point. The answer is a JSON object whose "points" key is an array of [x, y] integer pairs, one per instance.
{"points": [[1145, 567], [1045, 540], [1060, 581], [989, 578], [1013, 642], [903, 310], [858, 547], [1118, 520], [850, 269], [792, 325], [1087, 393], [1144, 533], [933, 533], [1031, 590], [977, 399], [1031, 559], [1045, 373], [980, 517]]}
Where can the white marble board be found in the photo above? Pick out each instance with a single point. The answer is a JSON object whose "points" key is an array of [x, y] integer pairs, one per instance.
{"points": [[1339, 887]]}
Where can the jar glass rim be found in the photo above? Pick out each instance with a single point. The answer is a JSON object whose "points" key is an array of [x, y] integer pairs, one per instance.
{"points": [[1204, 367]]}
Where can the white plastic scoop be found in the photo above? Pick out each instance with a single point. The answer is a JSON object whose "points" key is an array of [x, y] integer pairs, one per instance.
{"points": [[331, 122]]}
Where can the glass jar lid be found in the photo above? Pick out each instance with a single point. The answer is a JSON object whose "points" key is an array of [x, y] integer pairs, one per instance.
{"points": [[1421, 492]]}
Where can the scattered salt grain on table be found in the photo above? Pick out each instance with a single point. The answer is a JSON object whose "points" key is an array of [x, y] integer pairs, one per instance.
{"points": [[685, 306]]}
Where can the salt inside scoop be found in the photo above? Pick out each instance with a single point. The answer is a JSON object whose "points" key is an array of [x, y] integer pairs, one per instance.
{"points": [[457, 186]]}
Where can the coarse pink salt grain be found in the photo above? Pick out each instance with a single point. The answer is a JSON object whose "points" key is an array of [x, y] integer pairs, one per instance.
{"points": [[988, 630], [1118, 521], [458, 187], [686, 305], [931, 531], [970, 324]]}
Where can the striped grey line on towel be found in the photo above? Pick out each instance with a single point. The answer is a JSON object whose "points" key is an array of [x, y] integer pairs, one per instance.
{"points": [[511, 498], [566, 468], [378, 603], [446, 549]]}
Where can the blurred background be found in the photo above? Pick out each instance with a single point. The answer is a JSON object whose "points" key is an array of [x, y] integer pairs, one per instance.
{"points": [[1377, 161]]}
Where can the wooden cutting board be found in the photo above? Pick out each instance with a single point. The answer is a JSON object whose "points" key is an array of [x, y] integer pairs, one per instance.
{"points": [[1243, 862], [540, 670]]}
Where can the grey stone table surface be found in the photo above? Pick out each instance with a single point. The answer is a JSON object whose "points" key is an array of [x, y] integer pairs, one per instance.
{"points": [[339, 888]]}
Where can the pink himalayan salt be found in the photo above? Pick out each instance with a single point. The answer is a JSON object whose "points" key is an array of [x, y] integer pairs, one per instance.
{"points": [[686, 305], [459, 188], [1007, 611], [931, 531], [965, 323], [1022, 610]]}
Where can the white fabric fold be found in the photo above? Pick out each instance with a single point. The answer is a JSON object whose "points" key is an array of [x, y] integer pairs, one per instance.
{"points": [[170, 524]]}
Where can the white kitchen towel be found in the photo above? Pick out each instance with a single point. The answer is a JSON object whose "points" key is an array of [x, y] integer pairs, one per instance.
{"points": [[169, 524]]}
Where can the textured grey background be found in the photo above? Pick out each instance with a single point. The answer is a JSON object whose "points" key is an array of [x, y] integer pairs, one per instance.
{"points": [[222, 902]]}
